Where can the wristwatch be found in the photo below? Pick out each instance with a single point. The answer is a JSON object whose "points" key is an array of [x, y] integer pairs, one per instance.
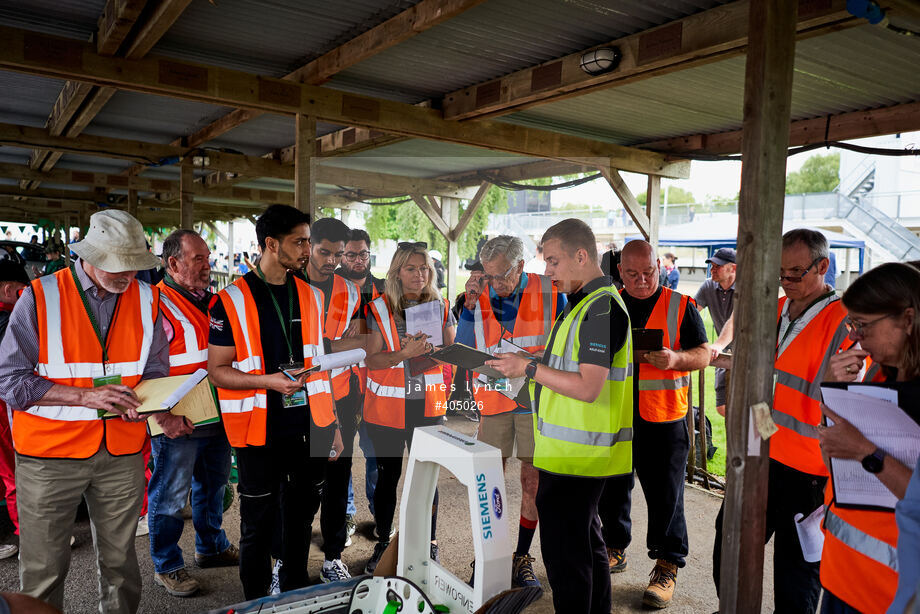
{"points": [[531, 369], [874, 462]]}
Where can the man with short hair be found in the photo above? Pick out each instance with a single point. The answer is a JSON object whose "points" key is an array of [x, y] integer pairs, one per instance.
{"points": [[661, 442], [186, 456], [507, 305], [718, 295], [265, 328], [356, 268], [811, 327], [13, 279], [78, 342], [342, 325], [582, 391]]}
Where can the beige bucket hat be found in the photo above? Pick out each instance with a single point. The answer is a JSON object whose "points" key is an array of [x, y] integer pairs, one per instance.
{"points": [[115, 242]]}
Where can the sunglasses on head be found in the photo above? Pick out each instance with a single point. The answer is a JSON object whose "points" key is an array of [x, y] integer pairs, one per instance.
{"points": [[412, 245]]}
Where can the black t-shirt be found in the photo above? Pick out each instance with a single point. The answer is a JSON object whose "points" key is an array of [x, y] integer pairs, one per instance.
{"points": [[325, 286], [603, 330], [283, 422]]}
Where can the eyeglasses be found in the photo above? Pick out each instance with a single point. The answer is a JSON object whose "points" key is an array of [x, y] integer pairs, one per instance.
{"points": [[362, 255], [490, 279], [412, 245], [860, 328], [797, 278]]}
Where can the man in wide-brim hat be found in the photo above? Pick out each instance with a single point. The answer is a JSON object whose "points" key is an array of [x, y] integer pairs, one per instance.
{"points": [[78, 342]]}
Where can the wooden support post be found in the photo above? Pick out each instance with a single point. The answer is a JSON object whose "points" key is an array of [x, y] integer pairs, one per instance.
{"points": [[450, 213], [652, 202], [304, 153], [767, 102], [186, 195], [132, 202]]}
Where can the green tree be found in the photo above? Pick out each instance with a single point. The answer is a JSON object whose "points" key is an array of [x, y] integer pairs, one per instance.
{"points": [[675, 195], [818, 174]]}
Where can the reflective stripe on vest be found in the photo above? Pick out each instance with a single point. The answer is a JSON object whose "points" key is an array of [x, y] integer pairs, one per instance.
{"points": [[580, 438], [865, 544], [336, 322], [70, 354], [532, 325], [664, 395], [385, 396], [799, 371], [245, 411], [192, 354]]}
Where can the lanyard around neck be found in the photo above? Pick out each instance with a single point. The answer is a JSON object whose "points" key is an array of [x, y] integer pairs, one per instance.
{"points": [[281, 320], [103, 341]]}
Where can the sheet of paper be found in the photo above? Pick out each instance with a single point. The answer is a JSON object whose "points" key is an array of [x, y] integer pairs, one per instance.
{"points": [[514, 385], [327, 362], [186, 387], [164, 393], [199, 406], [884, 424], [426, 318], [811, 537]]}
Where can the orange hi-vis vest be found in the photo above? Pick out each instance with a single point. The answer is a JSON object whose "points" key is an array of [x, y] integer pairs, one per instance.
{"points": [[361, 368], [799, 370], [663, 395], [70, 354], [343, 306], [859, 563], [532, 326], [385, 400], [244, 412], [188, 349]]}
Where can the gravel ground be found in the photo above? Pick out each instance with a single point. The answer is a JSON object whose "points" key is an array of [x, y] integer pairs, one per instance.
{"points": [[220, 587]]}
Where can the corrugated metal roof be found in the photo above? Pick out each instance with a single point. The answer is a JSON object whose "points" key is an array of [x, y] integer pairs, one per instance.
{"points": [[501, 36], [270, 37], [834, 73], [73, 18], [27, 99], [265, 133]]}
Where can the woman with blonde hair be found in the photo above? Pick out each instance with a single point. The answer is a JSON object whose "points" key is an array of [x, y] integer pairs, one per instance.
{"points": [[859, 564], [397, 401]]}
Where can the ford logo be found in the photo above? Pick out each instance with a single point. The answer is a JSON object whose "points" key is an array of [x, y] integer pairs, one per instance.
{"points": [[497, 502]]}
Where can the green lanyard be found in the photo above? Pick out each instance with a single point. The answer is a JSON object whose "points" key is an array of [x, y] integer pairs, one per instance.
{"points": [[103, 341], [287, 331]]}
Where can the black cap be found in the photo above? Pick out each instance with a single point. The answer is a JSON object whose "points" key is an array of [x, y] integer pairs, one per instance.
{"points": [[13, 271], [723, 255]]}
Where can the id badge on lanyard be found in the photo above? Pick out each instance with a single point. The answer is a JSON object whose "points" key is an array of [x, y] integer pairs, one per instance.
{"points": [[295, 399]]}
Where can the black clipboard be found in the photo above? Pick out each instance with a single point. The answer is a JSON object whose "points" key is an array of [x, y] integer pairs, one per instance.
{"points": [[468, 358], [908, 401]]}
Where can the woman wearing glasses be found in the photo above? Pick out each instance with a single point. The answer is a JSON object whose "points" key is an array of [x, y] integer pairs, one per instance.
{"points": [[397, 401], [859, 568]]}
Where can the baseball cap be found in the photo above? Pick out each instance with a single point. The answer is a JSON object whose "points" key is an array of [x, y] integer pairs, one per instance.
{"points": [[723, 255], [13, 271]]}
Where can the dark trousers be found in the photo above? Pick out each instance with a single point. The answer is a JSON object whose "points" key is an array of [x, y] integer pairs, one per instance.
{"points": [[660, 459], [284, 476], [338, 476], [389, 444], [571, 543], [796, 585]]}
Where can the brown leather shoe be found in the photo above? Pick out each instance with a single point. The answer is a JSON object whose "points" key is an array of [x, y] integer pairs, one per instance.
{"points": [[663, 581], [616, 557], [177, 583], [228, 558]]}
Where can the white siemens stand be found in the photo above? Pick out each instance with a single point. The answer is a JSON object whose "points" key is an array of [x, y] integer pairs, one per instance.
{"points": [[477, 466]]}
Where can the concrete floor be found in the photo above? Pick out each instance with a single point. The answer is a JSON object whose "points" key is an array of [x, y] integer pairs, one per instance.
{"points": [[220, 587]]}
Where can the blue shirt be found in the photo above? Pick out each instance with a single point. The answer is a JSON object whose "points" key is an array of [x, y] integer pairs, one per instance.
{"points": [[907, 513]]}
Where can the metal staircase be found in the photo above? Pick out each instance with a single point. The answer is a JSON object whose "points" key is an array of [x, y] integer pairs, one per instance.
{"points": [[882, 233]]}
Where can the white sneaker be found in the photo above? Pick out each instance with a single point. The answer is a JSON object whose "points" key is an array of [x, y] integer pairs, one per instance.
{"points": [[334, 571], [73, 540], [8, 550], [275, 588], [142, 528], [350, 527]]}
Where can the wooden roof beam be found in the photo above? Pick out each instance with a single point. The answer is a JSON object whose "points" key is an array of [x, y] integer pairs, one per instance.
{"points": [[34, 53], [705, 37], [841, 127], [78, 103]]}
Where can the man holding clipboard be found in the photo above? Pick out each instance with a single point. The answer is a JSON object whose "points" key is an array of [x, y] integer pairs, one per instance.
{"points": [[582, 396]]}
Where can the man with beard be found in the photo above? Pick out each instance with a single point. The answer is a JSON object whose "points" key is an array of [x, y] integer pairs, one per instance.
{"points": [[282, 424], [343, 329], [356, 267]]}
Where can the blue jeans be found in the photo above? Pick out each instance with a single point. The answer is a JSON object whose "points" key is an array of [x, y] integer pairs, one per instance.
{"points": [[202, 464], [370, 473]]}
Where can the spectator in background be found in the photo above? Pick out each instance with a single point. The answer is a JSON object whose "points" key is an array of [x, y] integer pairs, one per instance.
{"points": [[830, 278], [438, 268], [54, 255], [670, 274], [536, 264], [718, 295], [609, 265]]}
